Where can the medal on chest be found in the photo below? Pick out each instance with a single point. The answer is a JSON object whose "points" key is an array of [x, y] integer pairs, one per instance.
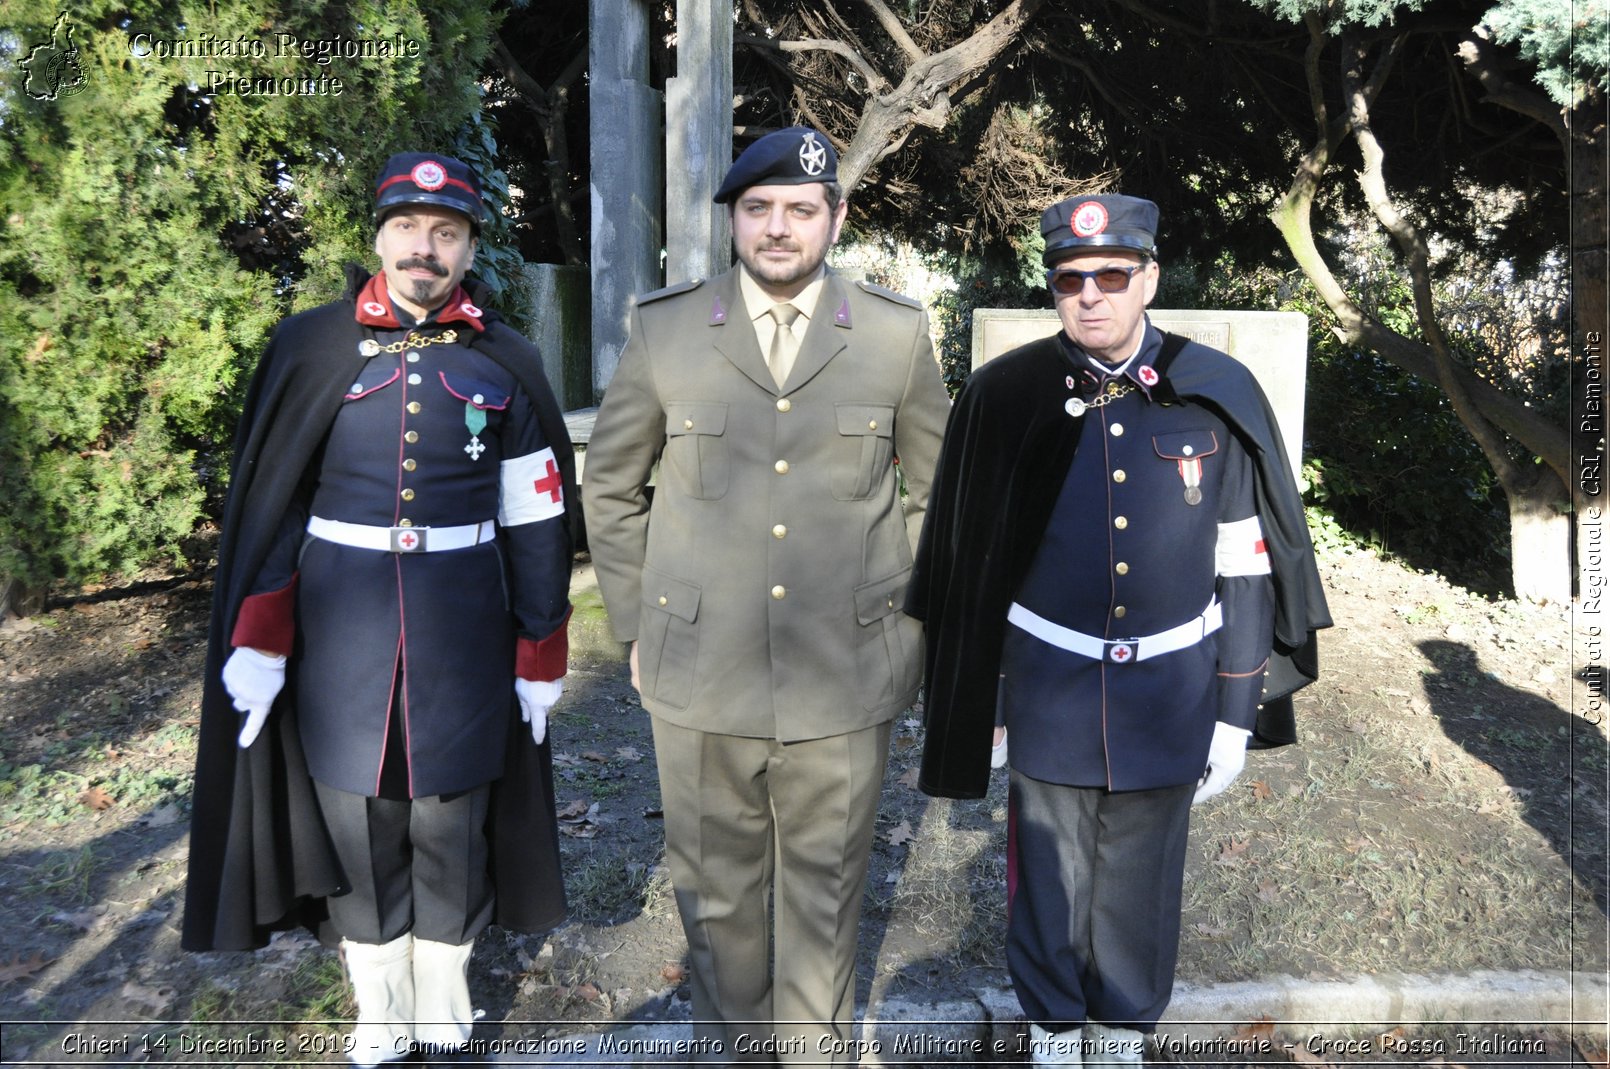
{"points": [[475, 420], [1191, 475]]}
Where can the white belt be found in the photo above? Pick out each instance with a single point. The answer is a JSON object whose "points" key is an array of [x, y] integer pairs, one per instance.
{"points": [[1120, 650], [402, 539]]}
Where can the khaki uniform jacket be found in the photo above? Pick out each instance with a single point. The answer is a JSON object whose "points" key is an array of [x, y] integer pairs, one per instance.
{"points": [[765, 584]]}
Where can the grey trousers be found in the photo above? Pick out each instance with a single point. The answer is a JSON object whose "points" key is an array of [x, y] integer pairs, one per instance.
{"points": [[1094, 923], [416, 865]]}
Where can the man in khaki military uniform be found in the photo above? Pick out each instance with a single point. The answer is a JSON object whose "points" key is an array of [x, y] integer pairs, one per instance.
{"points": [[761, 592]]}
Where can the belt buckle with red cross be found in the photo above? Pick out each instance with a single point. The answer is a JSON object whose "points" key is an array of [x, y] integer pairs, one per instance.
{"points": [[1121, 650], [407, 539]]}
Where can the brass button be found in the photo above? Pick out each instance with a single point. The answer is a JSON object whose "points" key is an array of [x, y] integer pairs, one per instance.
{"points": [[1121, 522], [407, 495], [872, 425], [784, 404], [413, 408], [782, 467], [1119, 476], [1120, 612], [1118, 430], [687, 424], [1122, 569], [405, 523], [779, 531], [891, 601], [411, 437], [410, 464], [778, 593], [663, 599]]}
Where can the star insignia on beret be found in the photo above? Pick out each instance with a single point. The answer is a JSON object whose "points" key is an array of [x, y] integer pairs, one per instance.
{"points": [[812, 155]]}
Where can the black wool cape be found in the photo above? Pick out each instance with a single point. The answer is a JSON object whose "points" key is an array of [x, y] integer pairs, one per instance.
{"points": [[260, 857], [1007, 449]]}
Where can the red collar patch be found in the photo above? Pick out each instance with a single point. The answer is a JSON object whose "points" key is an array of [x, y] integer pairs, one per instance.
{"points": [[374, 307]]}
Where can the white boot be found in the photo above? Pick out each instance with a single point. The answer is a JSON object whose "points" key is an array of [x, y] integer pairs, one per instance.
{"points": [[1116, 1046], [442, 996], [1054, 1048], [383, 982]]}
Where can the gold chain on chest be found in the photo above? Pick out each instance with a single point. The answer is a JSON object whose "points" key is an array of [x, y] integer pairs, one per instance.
{"points": [[370, 347], [1077, 406]]}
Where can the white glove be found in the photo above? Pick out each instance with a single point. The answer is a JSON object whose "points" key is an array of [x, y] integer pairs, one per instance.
{"points": [[1227, 753], [253, 681], [536, 698], [997, 752]]}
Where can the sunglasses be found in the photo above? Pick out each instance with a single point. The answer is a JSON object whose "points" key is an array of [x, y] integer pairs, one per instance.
{"points": [[1068, 281]]}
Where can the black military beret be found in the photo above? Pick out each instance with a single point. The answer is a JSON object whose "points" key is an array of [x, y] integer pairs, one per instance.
{"points": [[790, 157], [1107, 222], [428, 178]]}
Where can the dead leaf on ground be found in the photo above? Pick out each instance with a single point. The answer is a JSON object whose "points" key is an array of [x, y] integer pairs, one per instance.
{"points": [[1230, 853], [1592, 1052], [909, 779], [565, 759], [20, 968], [901, 834], [152, 998], [1268, 891], [576, 810], [1210, 931], [594, 756], [587, 992], [96, 798], [629, 753], [1261, 790], [673, 973]]}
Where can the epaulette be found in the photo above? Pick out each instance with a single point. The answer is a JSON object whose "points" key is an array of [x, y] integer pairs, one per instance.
{"points": [[888, 294], [670, 291]]}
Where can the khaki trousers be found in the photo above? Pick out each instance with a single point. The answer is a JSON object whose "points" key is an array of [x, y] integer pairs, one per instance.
{"points": [[751, 820]]}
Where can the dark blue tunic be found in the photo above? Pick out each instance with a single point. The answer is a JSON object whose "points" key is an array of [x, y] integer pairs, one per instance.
{"points": [[1126, 554], [421, 440]]}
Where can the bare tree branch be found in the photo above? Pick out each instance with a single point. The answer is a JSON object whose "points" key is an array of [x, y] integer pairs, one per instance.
{"points": [[897, 33], [1409, 240], [924, 94], [876, 82], [549, 106], [1481, 60]]}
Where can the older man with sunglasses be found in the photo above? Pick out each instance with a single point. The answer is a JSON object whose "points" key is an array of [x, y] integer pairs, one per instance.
{"points": [[1114, 566]]}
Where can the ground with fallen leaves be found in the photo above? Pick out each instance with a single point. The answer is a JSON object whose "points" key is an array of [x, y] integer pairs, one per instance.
{"points": [[1444, 812]]}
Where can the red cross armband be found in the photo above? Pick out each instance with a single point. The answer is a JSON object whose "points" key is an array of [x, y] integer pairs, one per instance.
{"points": [[1241, 550], [530, 489]]}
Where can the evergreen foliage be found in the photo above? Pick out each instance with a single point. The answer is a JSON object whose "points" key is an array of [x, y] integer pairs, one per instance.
{"points": [[156, 220]]}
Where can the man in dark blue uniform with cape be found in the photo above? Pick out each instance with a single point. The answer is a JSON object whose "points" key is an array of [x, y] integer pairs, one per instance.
{"points": [[389, 631], [1115, 568]]}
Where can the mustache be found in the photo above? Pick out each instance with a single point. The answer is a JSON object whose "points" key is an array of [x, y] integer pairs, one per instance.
{"points": [[419, 261]]}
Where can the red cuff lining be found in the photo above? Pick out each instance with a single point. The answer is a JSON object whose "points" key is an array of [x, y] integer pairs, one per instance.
{"points": [[268, 621], [545, 659]]}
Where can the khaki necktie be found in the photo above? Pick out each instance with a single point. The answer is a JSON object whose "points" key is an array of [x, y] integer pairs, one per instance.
{"points": [[784, 346]]}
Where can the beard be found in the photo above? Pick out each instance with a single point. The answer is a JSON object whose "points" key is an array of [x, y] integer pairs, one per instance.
{"points": [[423, 291], [785, 272]]}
